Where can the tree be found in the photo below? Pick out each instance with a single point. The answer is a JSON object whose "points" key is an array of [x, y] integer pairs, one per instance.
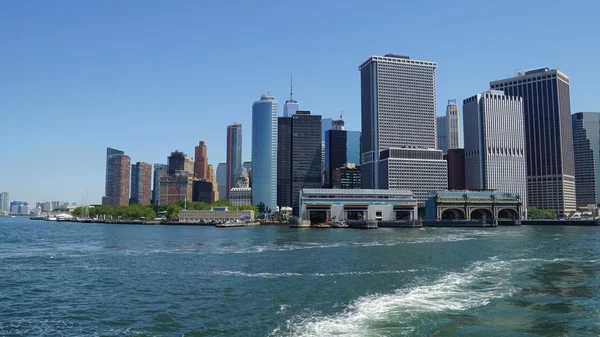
{"points": [[536, 213]]}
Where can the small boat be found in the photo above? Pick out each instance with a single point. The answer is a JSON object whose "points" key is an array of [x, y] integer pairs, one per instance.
{"points": [[51, 218]]}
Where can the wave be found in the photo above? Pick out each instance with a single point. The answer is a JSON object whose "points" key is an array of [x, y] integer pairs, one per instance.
{"points": [[276, 275], [476, 286]]}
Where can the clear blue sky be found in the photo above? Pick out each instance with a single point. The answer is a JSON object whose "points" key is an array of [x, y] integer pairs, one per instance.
{"points": [[150, 77]]}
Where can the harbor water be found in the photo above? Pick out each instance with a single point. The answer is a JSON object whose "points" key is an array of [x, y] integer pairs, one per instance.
{"points": [[70, 279]]}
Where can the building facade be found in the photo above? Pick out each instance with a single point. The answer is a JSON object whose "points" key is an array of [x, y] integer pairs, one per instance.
{"points": [[160, 170], [495, 143], [215, 214], [455, 159], [222, 180], [453, 125], [284, 162], [234, 155], [4, 203], [179, 162], [176, 187], [347, 177], [586, 146], [442, 133], [211, 177], [141, 183], [341, 146], [321, 205], [300, 157], [419, 170], [397, 112], [200, 162], [202, 191], [548, 137], [264, 152], [117, 178], [488, 206], [241, 196]]}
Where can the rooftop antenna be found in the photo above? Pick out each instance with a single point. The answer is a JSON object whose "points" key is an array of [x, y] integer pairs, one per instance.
{"points": [[291, 85], [341, 115]]}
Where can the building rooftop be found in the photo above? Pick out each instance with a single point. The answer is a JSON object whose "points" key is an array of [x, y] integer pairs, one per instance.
{"points": [[329, 191], [474, 194], [393, 58]]}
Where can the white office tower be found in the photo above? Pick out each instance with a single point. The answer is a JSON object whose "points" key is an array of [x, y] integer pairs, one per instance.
{"points": [[495, 143], [453, 125], [398, 114]]}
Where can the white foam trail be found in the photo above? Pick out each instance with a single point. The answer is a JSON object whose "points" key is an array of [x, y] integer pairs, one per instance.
{"points": [[261, 275], [275, 275], [476, 286]]}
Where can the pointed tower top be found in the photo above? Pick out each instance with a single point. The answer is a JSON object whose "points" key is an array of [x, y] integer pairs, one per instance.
{"points": [[291, 86]]}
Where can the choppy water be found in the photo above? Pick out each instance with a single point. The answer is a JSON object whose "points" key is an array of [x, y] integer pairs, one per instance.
{"points": [[62, 279]]}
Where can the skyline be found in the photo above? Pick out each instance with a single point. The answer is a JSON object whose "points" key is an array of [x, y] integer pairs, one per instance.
{"points": [[79, 86]]}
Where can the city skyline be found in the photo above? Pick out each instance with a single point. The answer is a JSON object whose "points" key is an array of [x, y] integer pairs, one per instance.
{"points": [[71, 67]]}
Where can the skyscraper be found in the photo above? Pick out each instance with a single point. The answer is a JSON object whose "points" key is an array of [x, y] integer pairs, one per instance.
{"points": [[495, 143], [4, 203], [291, 106], [453, 125], [442, 133], [213, 180], [586, 146], [160, 170], [548, 137], [398, 141], [299, 154], [117, 178], [200, 162], [264, 151], [222, 180], [178, 162], [341, 147], [141, 182], [284, 162], [234, 155]]}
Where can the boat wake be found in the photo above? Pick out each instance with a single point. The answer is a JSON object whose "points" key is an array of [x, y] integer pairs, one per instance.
{"points": [[399, 313]]}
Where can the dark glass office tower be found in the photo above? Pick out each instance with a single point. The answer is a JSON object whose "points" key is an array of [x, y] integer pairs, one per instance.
{"points": [[234, 155], [586, 145], [301, 138], [284, 162], [548, 137], [335, 153], [306, 154]]}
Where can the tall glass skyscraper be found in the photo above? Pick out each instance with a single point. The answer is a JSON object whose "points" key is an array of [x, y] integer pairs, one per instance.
{"points": [[160, 170], [548, 137], [586, 145], [234, 155], [341, 147], [264, 152], [222, 180]]}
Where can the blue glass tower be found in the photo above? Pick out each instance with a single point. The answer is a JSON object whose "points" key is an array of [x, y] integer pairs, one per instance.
{"points": [[264, 152]]}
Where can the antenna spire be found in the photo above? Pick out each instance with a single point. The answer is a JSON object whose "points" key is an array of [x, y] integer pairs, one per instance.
{"points": [[291, 86]]}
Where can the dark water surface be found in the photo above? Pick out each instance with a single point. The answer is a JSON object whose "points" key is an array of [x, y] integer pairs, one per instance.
{"points": [[63, 279]]}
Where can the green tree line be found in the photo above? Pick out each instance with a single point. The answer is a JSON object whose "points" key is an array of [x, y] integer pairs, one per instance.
{"points": [[536, 213], [134, 211]]}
